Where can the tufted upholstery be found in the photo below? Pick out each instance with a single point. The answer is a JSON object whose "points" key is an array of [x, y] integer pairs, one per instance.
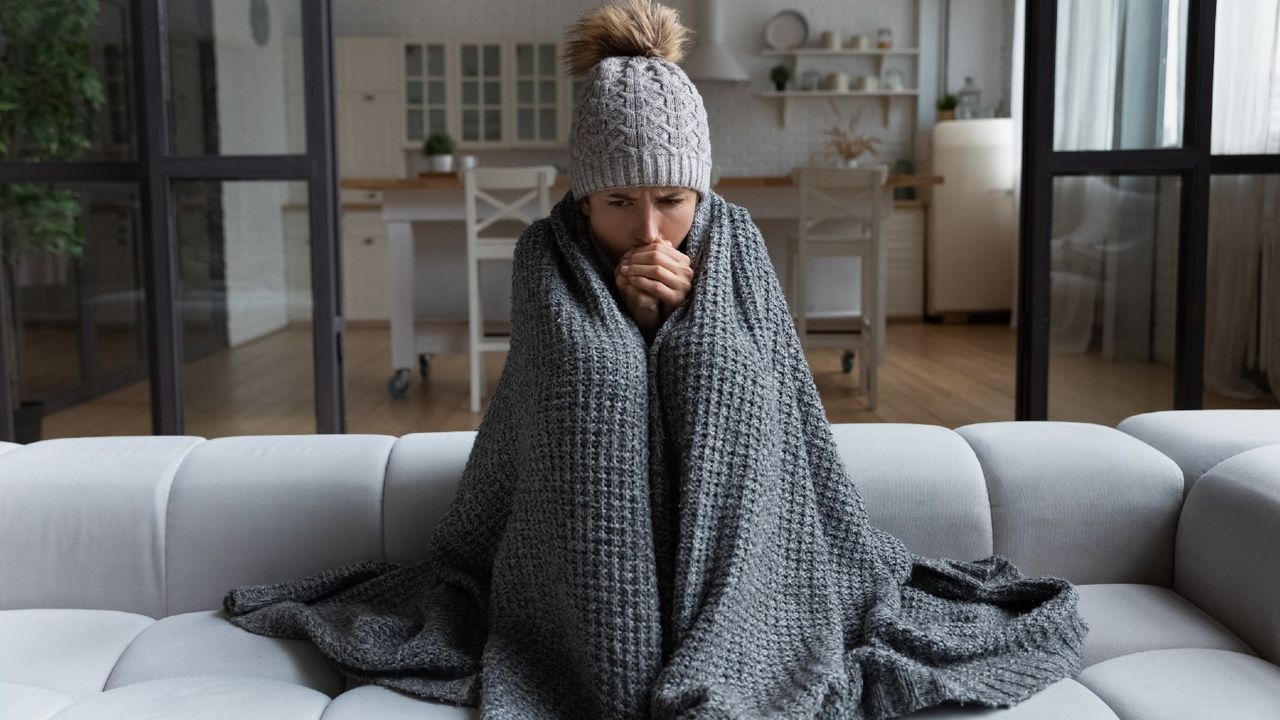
{"points": [[115, 554]]}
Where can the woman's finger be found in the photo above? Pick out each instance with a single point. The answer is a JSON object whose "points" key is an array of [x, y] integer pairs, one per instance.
{"points": [[660, 273]]}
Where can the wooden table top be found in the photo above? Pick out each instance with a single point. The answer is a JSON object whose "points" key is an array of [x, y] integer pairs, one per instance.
{"points": [[449, 180]]}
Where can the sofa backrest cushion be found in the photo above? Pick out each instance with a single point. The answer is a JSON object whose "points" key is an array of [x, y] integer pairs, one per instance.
{"points": [[1079, 501], [920, 483], [262, 509], [82, 522]]}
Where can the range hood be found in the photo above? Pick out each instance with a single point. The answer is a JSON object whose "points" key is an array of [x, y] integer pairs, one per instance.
{"points": [[711, 60]]}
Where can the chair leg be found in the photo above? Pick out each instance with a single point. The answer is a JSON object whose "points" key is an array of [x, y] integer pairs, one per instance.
{"points": [[475, 318]]}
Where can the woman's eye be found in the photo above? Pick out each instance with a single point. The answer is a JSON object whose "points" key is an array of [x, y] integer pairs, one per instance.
{"points": [[672, 201]]}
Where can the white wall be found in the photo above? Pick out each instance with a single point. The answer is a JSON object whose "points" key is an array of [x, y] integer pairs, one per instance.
{"points": [[252, 119]]}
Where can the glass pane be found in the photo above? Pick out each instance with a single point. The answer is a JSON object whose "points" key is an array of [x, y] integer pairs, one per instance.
{"points": [[76, 290], [471, 124], [412, 60], [524, 92], [1246, 78], [524, 59], [413, 92], [1242, 309], [83, 108], [437, 123], [492, 125], [470, 61], [524, 124], [413, 124], [547, 92], [235, 89], [435, 92], [435, 60], [492, 93], [470, 92], [245, 263], [1119, 76], [492, 68], [547, 59], [1113, 290], [547, 124]]}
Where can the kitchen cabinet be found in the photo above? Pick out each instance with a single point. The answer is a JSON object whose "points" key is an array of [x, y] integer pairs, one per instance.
{"points": [[903, 233], [370, 104], [364, 267]]}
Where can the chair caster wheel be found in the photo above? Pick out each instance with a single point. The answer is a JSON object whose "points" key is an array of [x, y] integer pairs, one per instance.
{"points": [[424, 366], [846, 362], [398, 385]]}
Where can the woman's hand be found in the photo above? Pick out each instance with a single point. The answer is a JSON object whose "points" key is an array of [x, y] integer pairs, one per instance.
{"points": [[654, 280]]}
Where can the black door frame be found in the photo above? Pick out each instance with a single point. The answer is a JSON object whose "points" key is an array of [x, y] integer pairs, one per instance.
{"points": [[1193, 163], [153, 172]]}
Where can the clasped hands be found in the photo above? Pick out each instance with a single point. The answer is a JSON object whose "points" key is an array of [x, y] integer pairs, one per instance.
{"points": [[653, 280]]}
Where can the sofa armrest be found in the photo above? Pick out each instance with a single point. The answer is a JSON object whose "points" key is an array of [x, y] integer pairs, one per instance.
{"points": [[1227, 556]]}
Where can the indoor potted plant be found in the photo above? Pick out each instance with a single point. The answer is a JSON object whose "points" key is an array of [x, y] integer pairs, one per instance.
{"points": [[438, 148], [780, 75], [849, 145], [947, 107], [49, 94]]}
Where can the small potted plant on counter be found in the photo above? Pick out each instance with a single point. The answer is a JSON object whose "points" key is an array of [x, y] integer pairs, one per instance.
{"points": [[780, 75], [438, 148], [947, 107]]}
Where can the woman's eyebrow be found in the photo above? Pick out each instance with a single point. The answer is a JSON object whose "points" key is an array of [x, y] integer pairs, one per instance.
{"points": [[664, 196]]}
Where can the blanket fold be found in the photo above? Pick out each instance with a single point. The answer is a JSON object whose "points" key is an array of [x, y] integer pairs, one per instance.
{"points": [[666, 530]]}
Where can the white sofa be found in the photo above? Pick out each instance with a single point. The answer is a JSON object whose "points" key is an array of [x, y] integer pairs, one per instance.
{"points": [[115, 554]]}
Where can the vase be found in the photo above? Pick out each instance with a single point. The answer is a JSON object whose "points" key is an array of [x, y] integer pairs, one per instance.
{"points": [[440, 163], [780, 85], [850, 162]]}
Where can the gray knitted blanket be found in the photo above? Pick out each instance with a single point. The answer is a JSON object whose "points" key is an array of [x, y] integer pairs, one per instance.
{"points": [[667, 531]]}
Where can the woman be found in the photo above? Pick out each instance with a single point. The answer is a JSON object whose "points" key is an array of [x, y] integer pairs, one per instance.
{"points": [[654, 520]]}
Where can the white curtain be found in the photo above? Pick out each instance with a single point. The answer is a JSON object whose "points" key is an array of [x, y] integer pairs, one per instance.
{"points": [[1242, 316], [1087, 72]]}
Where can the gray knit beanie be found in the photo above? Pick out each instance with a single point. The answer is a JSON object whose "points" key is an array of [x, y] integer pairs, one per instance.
{"points": [[637, 119]]}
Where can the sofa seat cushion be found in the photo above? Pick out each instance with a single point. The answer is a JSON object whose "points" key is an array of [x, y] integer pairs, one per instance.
{"points": [[27, 702], [208, 697], [1063, 700], [204, 643], [376, 701], [1189, 684], [65, 650], [1199, 439], [1126, 618]]}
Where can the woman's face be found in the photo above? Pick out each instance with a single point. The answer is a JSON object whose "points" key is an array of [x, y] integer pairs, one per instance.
{"points": [[627, 217]]}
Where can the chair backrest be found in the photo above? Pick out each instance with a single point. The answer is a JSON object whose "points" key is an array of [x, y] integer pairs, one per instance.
{"points": [[840, 202], [481, 184]]}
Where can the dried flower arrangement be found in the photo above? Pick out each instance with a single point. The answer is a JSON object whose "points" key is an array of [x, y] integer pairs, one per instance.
{"points": [[851, 144]]}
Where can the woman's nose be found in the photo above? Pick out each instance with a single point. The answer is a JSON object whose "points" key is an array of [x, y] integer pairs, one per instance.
{"points": [[650, 226]]}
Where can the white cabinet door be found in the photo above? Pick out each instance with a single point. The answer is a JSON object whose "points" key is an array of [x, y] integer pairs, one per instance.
{"points": [[904, 263], [364, 271], [368, 135], [368, 64]]}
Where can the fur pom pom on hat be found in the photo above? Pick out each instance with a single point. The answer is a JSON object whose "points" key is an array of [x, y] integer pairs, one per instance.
{"points": [[637, 119]]}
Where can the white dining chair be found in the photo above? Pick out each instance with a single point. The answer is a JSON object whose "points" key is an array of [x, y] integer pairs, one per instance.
{"points": [[480, 184], [841, 214]]}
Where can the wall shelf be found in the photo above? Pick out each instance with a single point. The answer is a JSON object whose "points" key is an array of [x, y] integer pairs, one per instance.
{"points": [[878, 55], [884, 95], [844, 51]]}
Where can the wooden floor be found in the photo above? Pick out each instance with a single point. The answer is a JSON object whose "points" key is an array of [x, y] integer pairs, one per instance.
{"points": [[948, 375]]}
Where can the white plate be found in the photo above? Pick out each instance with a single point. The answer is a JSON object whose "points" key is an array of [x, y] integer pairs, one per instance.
{"points": [[787, 30]]}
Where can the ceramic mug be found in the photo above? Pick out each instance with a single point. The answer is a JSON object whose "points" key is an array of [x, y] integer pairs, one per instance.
{"points": [[840, 82], [858, 42], [830, 40], [870, 82]]}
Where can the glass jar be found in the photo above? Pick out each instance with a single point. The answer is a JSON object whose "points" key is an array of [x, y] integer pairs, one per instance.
{"points": [[884, 39]]}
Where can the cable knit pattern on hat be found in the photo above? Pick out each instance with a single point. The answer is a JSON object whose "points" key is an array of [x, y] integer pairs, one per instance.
{"points": [[638, 120]]}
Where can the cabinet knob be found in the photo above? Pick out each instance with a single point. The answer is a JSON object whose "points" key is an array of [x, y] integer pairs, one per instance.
{"points": [[368, 97], [368, 241]]}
